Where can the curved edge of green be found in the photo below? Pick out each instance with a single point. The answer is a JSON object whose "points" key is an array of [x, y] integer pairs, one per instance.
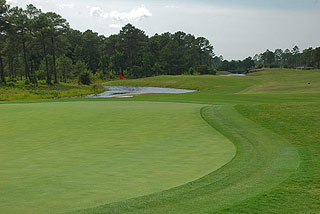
{"points": [[263, 161]]}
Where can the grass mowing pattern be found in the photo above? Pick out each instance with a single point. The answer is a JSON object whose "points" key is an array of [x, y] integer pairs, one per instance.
{"points": [[58, 157], [300, 193], [263, 161], [287, 106]]}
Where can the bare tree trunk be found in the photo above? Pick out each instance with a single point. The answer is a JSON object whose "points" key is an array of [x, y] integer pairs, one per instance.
{"points": [[47, 66], [3, 79], [33, 74], [54, 60], [11, 74], [26, 66]]}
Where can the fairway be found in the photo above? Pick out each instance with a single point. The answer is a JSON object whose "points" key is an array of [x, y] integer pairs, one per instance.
{"points": [[237, 145], [59, 157], [187, 115]]}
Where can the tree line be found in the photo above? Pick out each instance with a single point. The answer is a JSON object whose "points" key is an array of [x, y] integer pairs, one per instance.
{"points": [[41, 46], [307, 59]]}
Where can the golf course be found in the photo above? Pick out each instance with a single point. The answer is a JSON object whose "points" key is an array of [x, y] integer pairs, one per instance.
{"points": [[237, 145]]}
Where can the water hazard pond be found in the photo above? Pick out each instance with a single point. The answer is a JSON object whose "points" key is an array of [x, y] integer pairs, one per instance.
{"points": [[128, 91]]}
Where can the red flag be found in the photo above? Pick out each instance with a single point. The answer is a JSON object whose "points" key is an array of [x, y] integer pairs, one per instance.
{"points": [[121, 77]]}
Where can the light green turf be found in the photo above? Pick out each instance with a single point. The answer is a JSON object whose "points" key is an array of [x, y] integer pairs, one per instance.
{"points": [[272, 117], [269, 86], [263, 161], [58, 157], [276, 169]]}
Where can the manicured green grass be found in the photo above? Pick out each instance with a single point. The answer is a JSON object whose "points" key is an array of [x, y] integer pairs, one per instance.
{"points": [[270, 81], [285, 81], [58, 157], [263, 161], [271, 117], [269, 86], [299, 124]]}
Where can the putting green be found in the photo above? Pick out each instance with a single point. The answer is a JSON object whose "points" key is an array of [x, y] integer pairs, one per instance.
{"points": [[263, 161], [59, 157]]}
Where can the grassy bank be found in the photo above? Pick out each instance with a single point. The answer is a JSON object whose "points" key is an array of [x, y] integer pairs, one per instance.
{"points": [[269, 81], [263, 161], [298, 124], [19, 91], [93, 152], [163, 152], [260, 87]]}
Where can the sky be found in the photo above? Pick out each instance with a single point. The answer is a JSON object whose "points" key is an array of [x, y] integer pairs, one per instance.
{"points": [[236, 28]]}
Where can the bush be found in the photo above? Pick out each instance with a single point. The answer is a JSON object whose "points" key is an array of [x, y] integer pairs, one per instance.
{"points": [[212, 71], [191, 71], [27, 82], [204, 69], [11, 84], [34, 79], [135, 71], [97, 87], [288, 66], [259, 66], [85, 78]]}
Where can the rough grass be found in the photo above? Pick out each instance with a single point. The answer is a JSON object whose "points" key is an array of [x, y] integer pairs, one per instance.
{"points": [[20, 91]]}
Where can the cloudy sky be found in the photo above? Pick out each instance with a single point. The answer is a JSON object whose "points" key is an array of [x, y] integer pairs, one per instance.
{"points": [[236, 28]]}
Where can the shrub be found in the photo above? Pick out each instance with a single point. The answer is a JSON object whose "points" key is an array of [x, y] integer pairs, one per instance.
{"points": [[84, 78], [34, 79], [11, 84], [97, 87], [204, 69], [259, 66], [191, 71], [27, 82], [212, 71], [95, 77]]}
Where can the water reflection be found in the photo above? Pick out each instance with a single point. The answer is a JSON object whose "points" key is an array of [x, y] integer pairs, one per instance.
{"points": [[118, 91]]}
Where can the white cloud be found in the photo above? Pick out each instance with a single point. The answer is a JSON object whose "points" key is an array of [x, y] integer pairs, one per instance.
{"points": [[96, 11], [12, 2], [119, 18], [172, 6], [117, 26], [68, 6], [135, 13]]}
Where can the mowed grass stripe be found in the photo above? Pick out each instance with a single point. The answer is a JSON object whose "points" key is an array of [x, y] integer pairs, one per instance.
{"points": [[263, 161], [299, 124], [58, 157]]}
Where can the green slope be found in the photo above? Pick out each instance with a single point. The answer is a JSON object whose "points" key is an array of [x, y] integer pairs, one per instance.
{"points": [[57, 157], [272, 117], [263, 161]]}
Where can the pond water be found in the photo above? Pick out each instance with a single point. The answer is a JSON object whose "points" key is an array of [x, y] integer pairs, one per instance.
{"points": [[127, 91]]}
